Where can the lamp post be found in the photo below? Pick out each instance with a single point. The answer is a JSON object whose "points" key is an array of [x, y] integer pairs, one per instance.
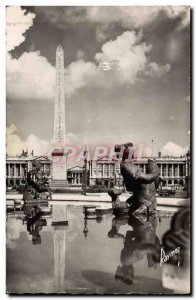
{"points": [[25, 174], [85, 172], [85, 231], [188, 173]]}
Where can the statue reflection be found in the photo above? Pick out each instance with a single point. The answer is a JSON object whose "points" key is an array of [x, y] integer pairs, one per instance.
{"points": [[117, 222], [34, 227], [138, 242]]}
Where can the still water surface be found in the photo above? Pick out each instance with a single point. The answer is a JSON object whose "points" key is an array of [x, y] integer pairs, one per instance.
{"points": [[104, 255]]}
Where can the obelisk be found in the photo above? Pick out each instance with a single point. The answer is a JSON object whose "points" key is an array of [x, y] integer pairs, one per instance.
{"points": [[59, 106], [59, 178]]}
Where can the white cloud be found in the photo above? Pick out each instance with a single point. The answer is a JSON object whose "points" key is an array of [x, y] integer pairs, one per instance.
{"points": [[78, 74], [154, 69], [172, 149], [103, 32], [15, 144], [30, 76], [147, 152], [39, 146], [17, 23], [80, 54], [182, 12], [131, 62], [131, 57]]}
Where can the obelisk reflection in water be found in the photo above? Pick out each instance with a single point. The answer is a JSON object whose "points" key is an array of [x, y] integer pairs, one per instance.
{"points": [[59, 215]]}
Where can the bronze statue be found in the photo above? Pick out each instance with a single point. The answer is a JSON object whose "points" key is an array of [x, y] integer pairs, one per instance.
{"points": [[37, 182], [116, 203], [143, 186]]}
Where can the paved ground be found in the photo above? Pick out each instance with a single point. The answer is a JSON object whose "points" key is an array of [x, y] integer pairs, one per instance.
{"points": [[180, 194], [103, 198]]}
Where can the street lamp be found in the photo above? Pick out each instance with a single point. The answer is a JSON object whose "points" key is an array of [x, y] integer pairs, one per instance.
{"points": [[25, 174], [85, 231], [152, 147], [188, 173], [85, 172]]}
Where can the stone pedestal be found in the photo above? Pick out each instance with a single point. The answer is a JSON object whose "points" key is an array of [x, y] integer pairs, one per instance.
{"points": [[59, 165]]}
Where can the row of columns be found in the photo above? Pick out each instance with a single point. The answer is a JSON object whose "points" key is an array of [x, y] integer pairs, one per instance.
{"points": [[94, 166], [175, 170], [108, 169], [21, 169], [16, 174], [164, 172], [172, 174], [77, 178]]}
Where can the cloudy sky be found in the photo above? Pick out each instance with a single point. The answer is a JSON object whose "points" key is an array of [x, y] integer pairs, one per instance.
{"points": [[127, 76]]}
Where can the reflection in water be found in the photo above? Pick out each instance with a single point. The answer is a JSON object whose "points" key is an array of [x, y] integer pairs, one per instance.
{"points": [[138, 242], [59, 215], [117, 222], [34, 227], [93, 264], [59, 258], [85, 230]]}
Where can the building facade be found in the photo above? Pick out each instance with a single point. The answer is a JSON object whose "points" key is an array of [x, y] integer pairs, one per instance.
{"points": [[173, 171], [75, 176], [17, 168], [104, 171]]}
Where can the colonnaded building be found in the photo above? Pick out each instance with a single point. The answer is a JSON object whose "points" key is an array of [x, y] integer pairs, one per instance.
{"points": [[104, 171]]}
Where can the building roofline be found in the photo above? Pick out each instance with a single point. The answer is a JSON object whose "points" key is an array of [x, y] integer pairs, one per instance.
{"points": [[165, 158], [75, 167]]}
